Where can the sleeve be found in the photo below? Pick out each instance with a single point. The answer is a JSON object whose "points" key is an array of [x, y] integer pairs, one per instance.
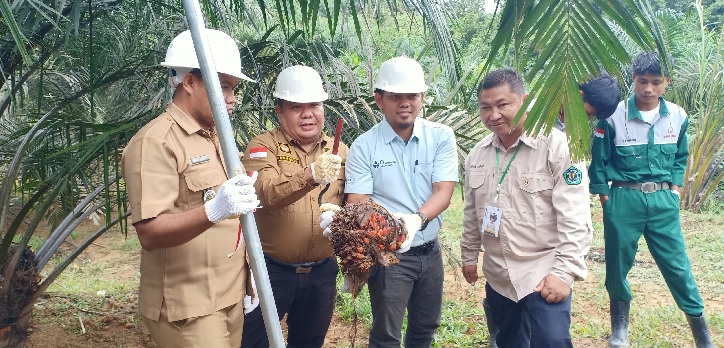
{"points": [[152, 179], [571, 203], [275, 189], [472, 240], [681, 158], [446, 158], [600, 156], [357, 172]]}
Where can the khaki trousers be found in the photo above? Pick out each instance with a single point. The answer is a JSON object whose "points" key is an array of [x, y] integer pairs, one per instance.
{"points": [[219, 329]]}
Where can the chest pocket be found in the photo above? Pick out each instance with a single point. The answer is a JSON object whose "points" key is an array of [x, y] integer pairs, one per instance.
{"points": [[197, 181], [477, 181], [628, 157], [666, 160], [539, 189]]}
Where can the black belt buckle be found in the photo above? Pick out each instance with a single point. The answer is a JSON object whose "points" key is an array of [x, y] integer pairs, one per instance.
{"points": [[423, 249], [303, 270]]}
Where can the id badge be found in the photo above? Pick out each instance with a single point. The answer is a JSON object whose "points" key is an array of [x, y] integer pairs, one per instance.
{"points": [[491, 220]]}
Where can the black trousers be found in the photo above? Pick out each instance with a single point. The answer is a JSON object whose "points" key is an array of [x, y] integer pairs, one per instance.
{"points": [[306, 298], [531, 322]]}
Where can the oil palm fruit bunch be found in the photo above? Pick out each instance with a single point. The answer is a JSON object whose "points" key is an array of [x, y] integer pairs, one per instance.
{"points": [[365, 234]]}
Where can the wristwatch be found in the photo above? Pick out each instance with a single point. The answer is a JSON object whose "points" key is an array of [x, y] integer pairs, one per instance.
{"points": [[424, 223]]}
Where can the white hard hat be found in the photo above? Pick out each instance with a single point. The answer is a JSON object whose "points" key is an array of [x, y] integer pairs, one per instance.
{"points": [[181, 54], [401, 75], [300, 84]]}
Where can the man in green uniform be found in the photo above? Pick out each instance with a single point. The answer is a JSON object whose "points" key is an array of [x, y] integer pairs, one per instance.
{"points": [[642, 149]]}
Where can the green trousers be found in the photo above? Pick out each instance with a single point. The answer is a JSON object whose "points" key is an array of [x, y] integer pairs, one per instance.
{"points": [[627, 215]]}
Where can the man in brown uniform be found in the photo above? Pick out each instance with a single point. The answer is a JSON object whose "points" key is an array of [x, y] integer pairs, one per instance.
{"points": [[192, 284], [294, 163], [527, 203]]}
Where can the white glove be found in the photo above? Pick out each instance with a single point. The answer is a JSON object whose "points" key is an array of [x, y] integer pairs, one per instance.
{"points": [[325, 169], [412, 222], [236, 196], [327, 216], [325, 220], [250, 303]]}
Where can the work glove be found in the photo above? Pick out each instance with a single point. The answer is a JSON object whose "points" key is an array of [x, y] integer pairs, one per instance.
{"points": [[325, 168], [236, 196], [250, 303], [325, 220], [412, 223]]}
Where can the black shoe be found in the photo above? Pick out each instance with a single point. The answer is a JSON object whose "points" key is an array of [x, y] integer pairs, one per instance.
{"points": [[619, 323], [700, 331]]}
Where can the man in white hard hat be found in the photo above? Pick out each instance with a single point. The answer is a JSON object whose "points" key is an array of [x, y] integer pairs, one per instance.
{"points": [[184, 207], [295, 162], [409, 166]]}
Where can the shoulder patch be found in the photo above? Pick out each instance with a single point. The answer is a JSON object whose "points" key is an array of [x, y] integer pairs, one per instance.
{"points": [[573, 176], [258, 152]]}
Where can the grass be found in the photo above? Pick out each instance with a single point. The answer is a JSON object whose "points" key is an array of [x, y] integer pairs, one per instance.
{"points": [[655, 319]]}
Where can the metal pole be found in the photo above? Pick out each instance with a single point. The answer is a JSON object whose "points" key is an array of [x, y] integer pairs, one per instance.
{"points": [[233, 164]]}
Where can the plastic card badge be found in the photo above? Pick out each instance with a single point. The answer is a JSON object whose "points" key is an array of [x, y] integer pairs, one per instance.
{"points": [[491, 220]]}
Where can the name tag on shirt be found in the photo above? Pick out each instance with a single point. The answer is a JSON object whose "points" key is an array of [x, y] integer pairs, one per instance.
{"points": [[491, 220]]}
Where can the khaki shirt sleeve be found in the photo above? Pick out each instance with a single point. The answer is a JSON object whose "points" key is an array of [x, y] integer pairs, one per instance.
{"points": [[471, 240], [571, 203], [152, 179], [275, 189]]}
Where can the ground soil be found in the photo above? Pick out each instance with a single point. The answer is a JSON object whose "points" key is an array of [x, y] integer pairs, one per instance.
{"points": [[58, 315]]}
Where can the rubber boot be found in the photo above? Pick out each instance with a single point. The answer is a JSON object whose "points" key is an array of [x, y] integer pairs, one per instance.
{"points": [[619, 323], [492, 329], [700, 331]]}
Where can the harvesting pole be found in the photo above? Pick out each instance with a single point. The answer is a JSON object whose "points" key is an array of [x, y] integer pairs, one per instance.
{"points": [[233, 167]]}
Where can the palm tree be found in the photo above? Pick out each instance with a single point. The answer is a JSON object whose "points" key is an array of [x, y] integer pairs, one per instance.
{"points": [[79, 80]]}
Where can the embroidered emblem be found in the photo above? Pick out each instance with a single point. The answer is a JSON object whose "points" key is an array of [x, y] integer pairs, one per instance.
{"points": [[671, 129], [284, 148], [287, 158], [573, 176], [198, 160], [526, 182], [258, 152], [209, 194]]}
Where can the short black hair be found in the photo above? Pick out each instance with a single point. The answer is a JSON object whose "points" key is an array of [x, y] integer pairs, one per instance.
{"points": [[501, 77], [381, 92], [603, 93], [649, 63]]}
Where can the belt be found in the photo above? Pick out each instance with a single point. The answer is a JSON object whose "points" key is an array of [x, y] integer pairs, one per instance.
{"points": [[423, 249], [303, 268], [645, 187]]}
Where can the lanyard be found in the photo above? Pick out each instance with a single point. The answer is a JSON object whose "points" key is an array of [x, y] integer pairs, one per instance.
{"points": [[497, 168]]}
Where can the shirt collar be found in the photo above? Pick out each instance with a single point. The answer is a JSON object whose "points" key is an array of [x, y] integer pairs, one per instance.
{"points": [[183, 119], [284, 137], [525, 139], [633, 111], [388, 134]]}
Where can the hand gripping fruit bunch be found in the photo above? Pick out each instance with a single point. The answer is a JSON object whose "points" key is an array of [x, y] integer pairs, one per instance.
{"points": [[364, 234]]}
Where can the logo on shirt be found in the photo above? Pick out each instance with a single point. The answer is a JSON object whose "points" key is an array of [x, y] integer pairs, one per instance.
{"points": [[573, 176], [383, 163], [629, 140], [476, 166], [284, 148]]}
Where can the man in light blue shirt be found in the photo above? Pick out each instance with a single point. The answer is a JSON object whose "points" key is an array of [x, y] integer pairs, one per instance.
{"points": [[409, 166]]}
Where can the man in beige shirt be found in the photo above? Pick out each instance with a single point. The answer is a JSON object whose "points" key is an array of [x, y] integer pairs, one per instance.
{"points": [[527, 203], [181, 200], [295, 163]]}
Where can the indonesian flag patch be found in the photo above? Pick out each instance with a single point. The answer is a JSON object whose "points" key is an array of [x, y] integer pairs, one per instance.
{"points": [[257, 152], [599, 132]]}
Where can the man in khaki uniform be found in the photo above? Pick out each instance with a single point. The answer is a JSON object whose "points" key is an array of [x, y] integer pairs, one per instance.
{"points": [[295, 162], [527, 203], [192, 282]]}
